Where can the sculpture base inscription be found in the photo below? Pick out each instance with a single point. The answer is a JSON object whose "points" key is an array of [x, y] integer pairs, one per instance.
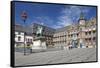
{"points": [[39, 45]]}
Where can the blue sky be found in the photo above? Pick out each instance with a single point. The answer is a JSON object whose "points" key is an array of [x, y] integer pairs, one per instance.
{"points": [[55, 16]]}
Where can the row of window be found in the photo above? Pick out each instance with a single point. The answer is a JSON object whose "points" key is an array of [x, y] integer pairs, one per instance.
{"points": [[27, 40], [90, 32], [71, 35], [90, 39], [60, 36], [87, 39]]}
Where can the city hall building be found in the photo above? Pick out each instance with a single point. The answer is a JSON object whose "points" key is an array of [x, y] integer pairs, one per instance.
{"points": [[79, 35]]}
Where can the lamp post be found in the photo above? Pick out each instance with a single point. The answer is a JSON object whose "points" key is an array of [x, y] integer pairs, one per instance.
{"points": [[24, 17]]}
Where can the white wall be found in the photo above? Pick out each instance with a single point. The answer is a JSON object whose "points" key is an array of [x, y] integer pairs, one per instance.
{"points": [[21, 35], [5, 34]]}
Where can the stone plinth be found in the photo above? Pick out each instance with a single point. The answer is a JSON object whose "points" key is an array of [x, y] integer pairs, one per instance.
{"points": [[39, 44]]}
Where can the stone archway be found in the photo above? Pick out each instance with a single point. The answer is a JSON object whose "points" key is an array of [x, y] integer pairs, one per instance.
{"points": [[75, 43]]}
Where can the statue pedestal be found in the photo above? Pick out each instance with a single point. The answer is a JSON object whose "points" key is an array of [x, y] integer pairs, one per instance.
{"points": [[39, 44]]}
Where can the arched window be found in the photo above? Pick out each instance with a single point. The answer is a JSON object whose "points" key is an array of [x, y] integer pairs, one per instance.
{"points": [[89, 32], [94, 31], [94, 38]]}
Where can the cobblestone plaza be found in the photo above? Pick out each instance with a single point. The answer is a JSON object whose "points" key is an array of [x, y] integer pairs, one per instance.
{"points": [[54, 57]]}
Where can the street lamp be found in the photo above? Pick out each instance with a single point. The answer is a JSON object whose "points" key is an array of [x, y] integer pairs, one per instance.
{"points": [[24, 17]]}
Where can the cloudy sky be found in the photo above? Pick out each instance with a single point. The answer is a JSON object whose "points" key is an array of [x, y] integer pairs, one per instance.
{"points": [[52, 15]]}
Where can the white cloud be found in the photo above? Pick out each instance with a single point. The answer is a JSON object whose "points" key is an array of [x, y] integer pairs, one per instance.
{"points": [[68, 15], [45, 20], [64, 20], [71, 13]]}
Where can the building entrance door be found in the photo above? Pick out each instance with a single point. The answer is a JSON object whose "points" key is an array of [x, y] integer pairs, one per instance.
{"points": [[74, 43]]}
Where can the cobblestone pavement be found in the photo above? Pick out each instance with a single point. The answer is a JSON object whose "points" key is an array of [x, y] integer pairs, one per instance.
{"points": [[53, 57]]}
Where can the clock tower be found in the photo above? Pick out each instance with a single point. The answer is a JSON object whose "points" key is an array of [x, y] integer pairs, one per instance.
{"points": [[81, 22], [82, 19]]}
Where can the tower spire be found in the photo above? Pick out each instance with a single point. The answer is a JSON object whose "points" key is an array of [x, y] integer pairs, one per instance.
{"points": [[81, 16], [82, 19]]}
